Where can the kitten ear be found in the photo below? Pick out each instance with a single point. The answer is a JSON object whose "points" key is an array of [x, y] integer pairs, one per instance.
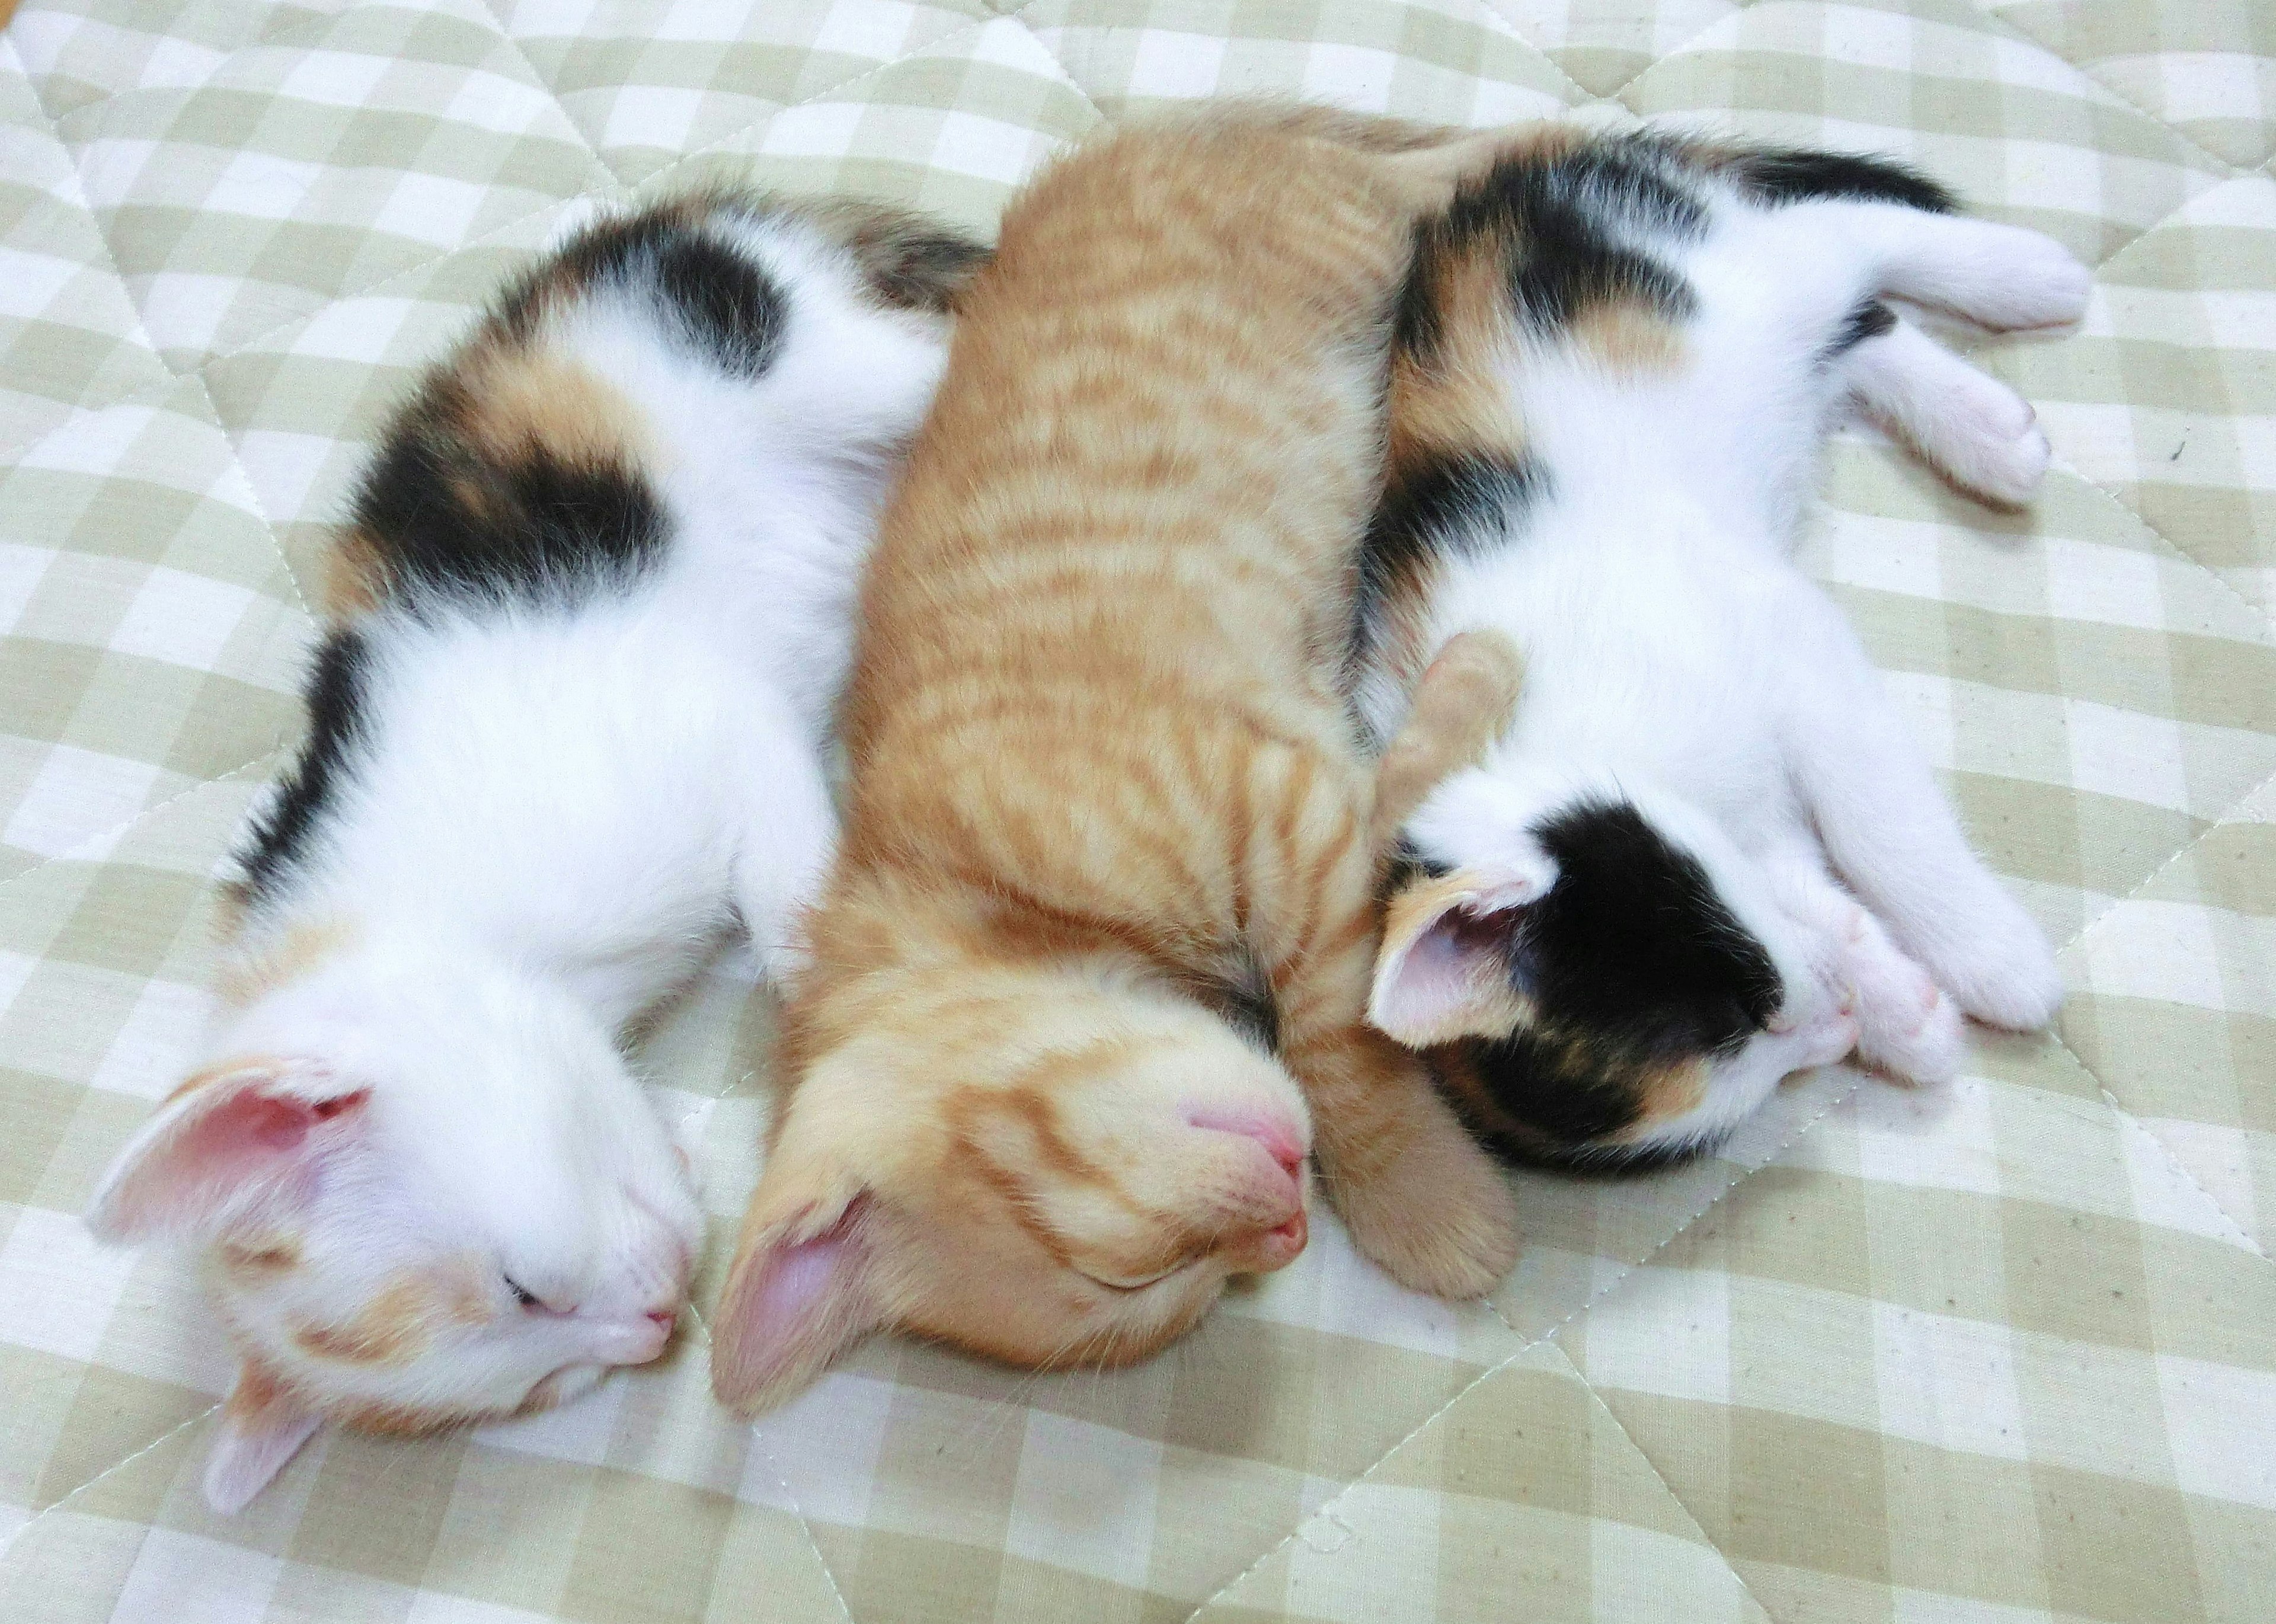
{"points": [[800, 1291], [1443, 971], [237, 1134], [262, 1426]]}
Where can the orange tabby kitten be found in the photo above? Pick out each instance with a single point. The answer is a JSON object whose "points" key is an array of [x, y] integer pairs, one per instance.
{"points": [[1102, 922]]}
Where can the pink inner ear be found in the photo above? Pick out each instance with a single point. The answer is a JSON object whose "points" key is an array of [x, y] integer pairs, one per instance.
{"points": [[1443, 975], [236, 1140], [796, 1282]]}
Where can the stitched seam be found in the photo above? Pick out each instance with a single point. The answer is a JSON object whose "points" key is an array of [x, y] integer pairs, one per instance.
{"points": [[2156, 874], [1627, 1270], [1660, 1478], [2265, 618], [609, 186], [1327, 1507], [79, 853], [46, 1511], [2242, 1236], [759, 1443]]}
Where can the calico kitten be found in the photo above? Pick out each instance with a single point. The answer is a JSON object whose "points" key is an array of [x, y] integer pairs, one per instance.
{"points": [[1089, 974], [1616, 357], [564, 726]]}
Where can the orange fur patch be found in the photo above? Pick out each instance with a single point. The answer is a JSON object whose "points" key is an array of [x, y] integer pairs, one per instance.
{"points": [[390, 1329], [1100, 741], [301, 950], [356, 575], [262, 1258], [524, 400], [1629, 338]]}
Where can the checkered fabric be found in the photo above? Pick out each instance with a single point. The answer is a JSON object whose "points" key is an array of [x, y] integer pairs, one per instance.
{"points": [[1995, 1353]]}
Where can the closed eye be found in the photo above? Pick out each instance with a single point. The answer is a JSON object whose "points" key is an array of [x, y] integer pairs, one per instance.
{"points": [[1134, 1283], [529, 1301]]}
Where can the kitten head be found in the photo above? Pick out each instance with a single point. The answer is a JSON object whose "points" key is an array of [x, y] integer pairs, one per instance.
{"points": [[1609, 982], [1047, 1165], [419, 1204]]}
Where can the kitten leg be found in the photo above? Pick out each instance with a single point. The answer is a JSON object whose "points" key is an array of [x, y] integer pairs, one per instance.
{"points": [[1965, 424], [1421, 1198], [1462, 707], [1892, 837], [1908, 1026], [2004, 278], [790, 834]]}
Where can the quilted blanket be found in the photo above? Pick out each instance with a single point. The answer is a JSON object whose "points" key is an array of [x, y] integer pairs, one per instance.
{"points": [[2000, 1352]]}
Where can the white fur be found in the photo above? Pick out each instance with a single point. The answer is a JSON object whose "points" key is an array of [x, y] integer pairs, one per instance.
{"points": [[1676, 657], [555, 813]]}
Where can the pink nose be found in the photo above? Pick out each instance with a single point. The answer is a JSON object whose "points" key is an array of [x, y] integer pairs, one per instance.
{"points": [[1283, 1141]]}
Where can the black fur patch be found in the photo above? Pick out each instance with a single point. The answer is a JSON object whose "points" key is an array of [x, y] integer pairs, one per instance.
{"points": [[918, 268], [539, 528], [727, 310], [1868, 319], [1464, 506], [1794, 174], [1547, 215], [279, 839], [1633, 964]]}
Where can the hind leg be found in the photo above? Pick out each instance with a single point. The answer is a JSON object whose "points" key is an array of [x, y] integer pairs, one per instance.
{"points": [[2003, 278], [1965, 424]]}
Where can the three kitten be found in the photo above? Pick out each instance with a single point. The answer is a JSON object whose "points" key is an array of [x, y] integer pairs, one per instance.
{"points": [[567, 730], [1090, 978]]}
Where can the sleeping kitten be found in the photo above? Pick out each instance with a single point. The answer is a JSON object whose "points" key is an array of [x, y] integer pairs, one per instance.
{"points": [[1091, 969], [585, 628], [1616, 358]]}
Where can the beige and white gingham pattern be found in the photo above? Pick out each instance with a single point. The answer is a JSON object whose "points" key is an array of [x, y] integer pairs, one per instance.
{"points": [[1998, 1352]]}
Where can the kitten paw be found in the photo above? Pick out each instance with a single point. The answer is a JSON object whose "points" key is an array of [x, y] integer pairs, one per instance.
{"points": [[1440, 1219], [1927, 1045], [2027, 281], [1993, 444], [2005, 975]]}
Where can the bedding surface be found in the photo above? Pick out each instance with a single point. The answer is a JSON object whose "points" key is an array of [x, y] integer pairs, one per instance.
{"points": [[1995, 1353]]}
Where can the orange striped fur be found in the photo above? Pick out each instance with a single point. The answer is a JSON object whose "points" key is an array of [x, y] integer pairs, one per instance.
{"points": [[1110, 832]]}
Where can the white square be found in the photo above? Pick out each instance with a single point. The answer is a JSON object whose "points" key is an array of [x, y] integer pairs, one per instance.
{"points": [[1084, 1498], [2222, 1422], [1666, 1331], [826, 1441], [651, 116], [157, 1043], [1350, 76], [181, 618], [1171, 64], [430, 209], [188, 1579], [21, 568], [77, 797], [59, 1286], [1948, 1383], [988, 148]]}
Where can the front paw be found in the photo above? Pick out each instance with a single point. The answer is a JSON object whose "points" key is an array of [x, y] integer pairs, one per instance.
{"points": [[1438, 1219], [2004, 974]]}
